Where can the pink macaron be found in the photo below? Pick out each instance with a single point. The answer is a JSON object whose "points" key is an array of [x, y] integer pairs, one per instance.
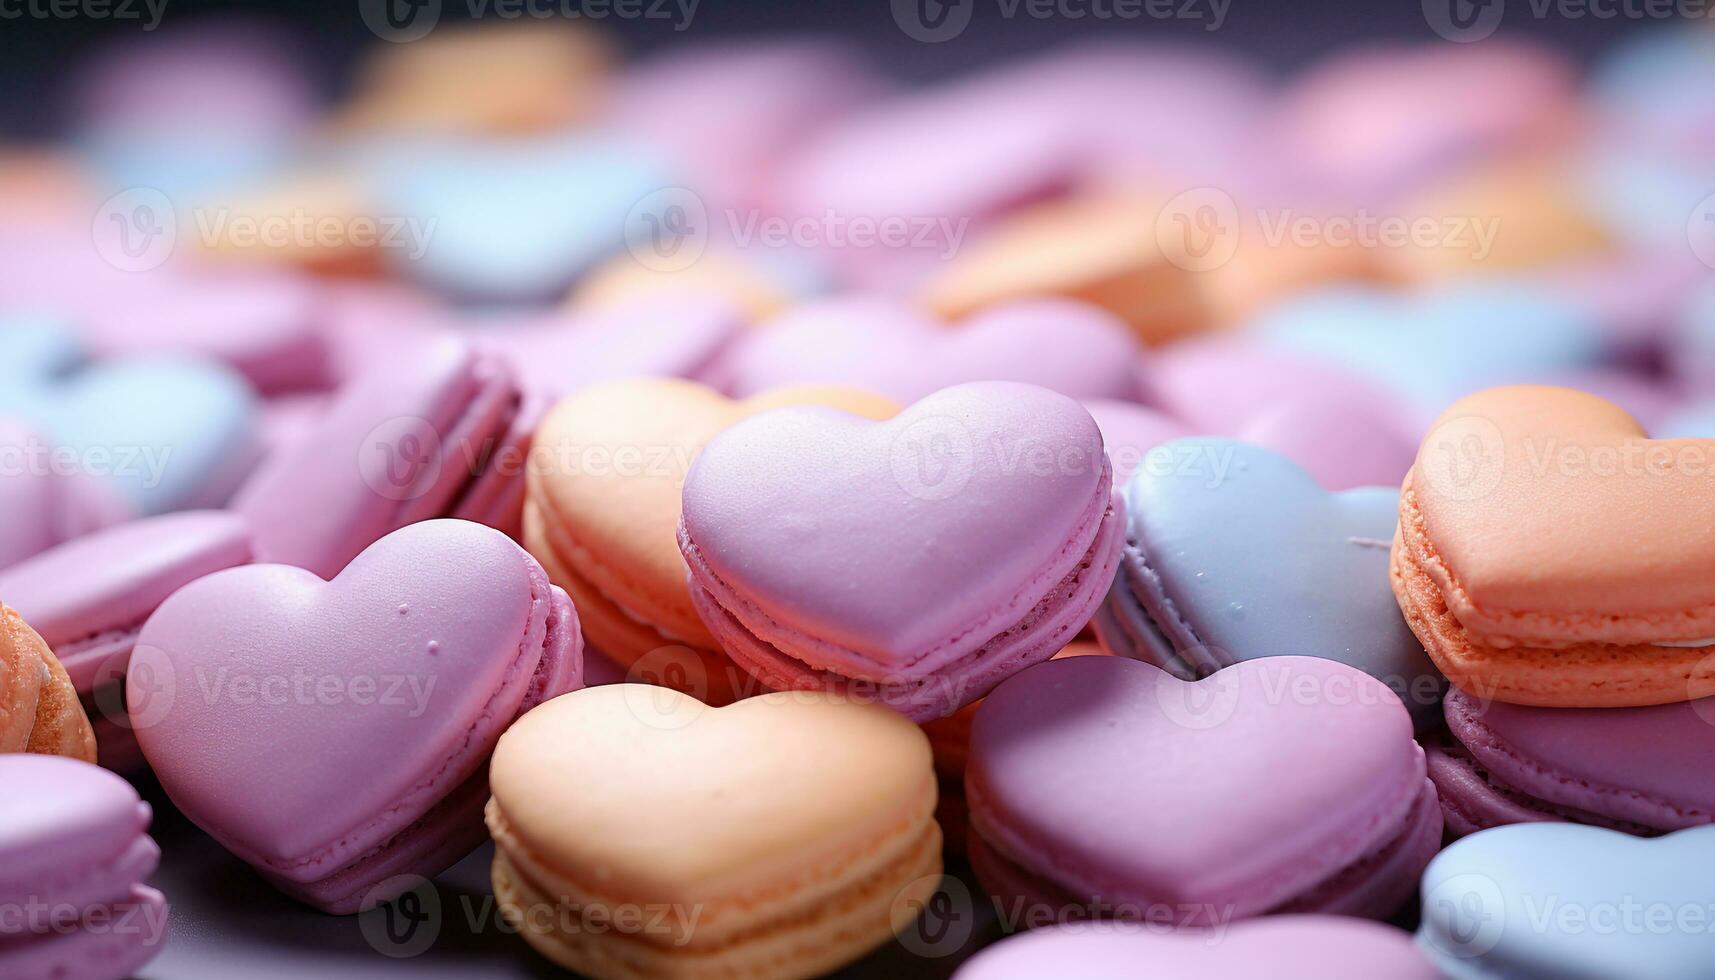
{"points": [[1103, 787], [335, 734], [893, 348], [435, 432], [89, 598], [74, 852], [46, 503], [917, 561]]}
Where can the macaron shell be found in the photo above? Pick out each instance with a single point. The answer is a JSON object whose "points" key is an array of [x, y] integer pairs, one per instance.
{"points": [[1195, 531], [892, 348], [1287, 947], [778, 784], [394, 446], [756, 508], [1059, 749], [1485, 897], [113, 579], [1653, 766], [124, 938], [610, 468], [421, 649], [72, 826]]}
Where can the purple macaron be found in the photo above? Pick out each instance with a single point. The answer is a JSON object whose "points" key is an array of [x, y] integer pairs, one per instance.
{"points": [[74, 851]]}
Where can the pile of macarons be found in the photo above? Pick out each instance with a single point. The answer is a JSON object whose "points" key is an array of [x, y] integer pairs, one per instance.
{"points": [[1144, 560]]}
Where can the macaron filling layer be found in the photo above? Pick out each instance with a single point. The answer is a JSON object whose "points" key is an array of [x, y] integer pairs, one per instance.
{"points": [[1591, 661], [478, 448], [932, 683], [1371, 872], [441, 820], [788, 928], [1485, 781]]}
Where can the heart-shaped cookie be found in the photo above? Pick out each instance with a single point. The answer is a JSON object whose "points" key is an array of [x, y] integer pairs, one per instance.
{"points": [[784, 835], [919, 560], [165, 432], [1234, 553], [1283, 947], [602, 508], [1442, 344], [1546, 901], [263, 698], [1110, 787], [893, 348], [46, 503], [1550, 553]]}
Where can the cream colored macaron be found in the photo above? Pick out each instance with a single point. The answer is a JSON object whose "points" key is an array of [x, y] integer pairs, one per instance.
{"points": [[641, 833]]}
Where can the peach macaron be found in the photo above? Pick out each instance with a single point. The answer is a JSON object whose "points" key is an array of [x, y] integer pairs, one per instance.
{"points": [[640, 833], [602, 507], [1549, 553]]}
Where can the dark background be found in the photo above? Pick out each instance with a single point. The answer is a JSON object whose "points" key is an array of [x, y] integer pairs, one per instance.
{"points": [[37, 55]]}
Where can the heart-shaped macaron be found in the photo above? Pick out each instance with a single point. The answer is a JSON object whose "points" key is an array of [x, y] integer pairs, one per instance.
{"points": [[1234, 553], [1347, 431], [1548, 901], [165, 432], [1130, 431], [919, 560], [335, 734], [1442, 344], [602, 508], [890, 347], [1646, 770], [785, 835], [1107, 786], [46, 502], [1282, 947], [1550, 553]]}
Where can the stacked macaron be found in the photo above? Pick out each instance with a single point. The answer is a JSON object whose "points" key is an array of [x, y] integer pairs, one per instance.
{"points": [[76, 850], [1556, 564]]}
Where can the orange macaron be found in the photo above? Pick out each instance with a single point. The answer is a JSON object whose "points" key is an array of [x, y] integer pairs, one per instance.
{"points": [[1550, 553]]}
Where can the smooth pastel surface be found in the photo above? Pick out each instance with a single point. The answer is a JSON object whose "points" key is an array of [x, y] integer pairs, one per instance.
{"points": [[261, 687], [790, 822], [604, 503], [265, 327], [822, 583], [888, 347], [110, 581], [1235, 553], [1272, 795], [164, 432], [1650, 767], [45, 504], [1439, 345], [1130, 431], [73, 839], [1691, 345], [1342, 124], [666, 336], [517, 220], [1509, 902], [1287, 947], [402, 443], [1549, 549], [1347, 431]]}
